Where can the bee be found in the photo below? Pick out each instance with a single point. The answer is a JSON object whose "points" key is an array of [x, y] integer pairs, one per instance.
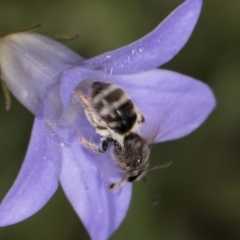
{"points": [[115, 117], [111, 112]]}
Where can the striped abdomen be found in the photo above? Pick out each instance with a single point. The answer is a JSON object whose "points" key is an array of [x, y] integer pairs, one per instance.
{"points": [[115, 107]]}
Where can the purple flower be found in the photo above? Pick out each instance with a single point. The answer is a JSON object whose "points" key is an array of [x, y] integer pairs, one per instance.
{"points": [[43, 75]]}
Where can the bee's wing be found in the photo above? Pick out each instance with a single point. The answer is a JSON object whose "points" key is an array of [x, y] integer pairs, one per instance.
{"points": [[156, 126], [150, 130]]}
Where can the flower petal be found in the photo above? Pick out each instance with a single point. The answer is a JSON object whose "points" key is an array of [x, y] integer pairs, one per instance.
{"points": [[31, 64], [38, 178], [156, 48], [84, 178], [173, 104]]}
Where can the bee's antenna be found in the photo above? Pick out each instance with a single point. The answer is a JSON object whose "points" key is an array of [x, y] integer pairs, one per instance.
{"points": [[162, 166], [152, 193]]}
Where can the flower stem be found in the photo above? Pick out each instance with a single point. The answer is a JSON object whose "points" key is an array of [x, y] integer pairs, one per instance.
{"points": [[6, 94]]}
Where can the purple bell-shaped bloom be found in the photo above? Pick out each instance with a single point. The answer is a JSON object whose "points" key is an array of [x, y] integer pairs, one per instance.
{"points": [[43, 75]]}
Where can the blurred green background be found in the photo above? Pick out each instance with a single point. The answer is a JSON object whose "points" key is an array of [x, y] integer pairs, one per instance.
{"points": [[200, 193]]}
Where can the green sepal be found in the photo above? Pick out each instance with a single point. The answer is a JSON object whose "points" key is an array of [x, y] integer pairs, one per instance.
{"points": [[65, 37], [20, 30]]}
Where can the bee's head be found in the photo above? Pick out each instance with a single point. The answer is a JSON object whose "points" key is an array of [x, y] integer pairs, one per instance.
{"points": [[132, 158]]}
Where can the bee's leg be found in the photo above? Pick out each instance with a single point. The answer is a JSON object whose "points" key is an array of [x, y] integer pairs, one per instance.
{"points": [[103, 145], [89, 111], [115, 186], [106, 140]]}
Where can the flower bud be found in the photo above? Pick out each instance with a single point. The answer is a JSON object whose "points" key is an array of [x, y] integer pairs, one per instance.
{"points": [[31, 66]]}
